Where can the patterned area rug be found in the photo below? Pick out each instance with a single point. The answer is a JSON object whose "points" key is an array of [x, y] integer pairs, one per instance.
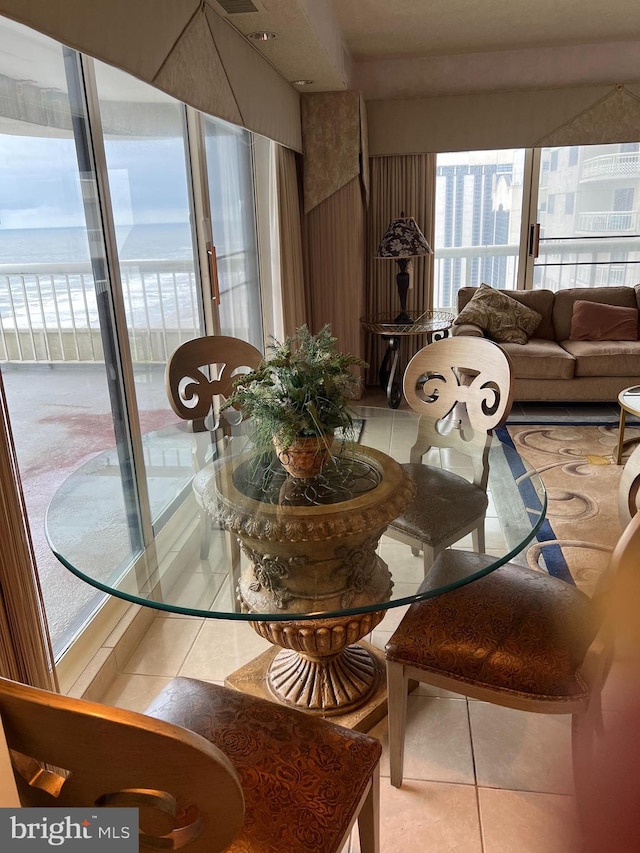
{"points": [[577, 466]]}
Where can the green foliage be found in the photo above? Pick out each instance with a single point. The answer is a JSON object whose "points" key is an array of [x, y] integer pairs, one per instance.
{"points": [[302, 389]]}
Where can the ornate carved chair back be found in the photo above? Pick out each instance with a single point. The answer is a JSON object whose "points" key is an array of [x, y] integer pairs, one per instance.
{"points": [[187, 791], [198, 378], [200, 373], [468, 380]]}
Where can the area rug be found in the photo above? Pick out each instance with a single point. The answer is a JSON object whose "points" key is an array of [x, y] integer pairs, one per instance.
{"points": [[577, 467]]}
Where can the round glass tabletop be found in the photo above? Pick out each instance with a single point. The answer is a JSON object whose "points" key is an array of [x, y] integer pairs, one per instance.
{"points": [[309, 549]]}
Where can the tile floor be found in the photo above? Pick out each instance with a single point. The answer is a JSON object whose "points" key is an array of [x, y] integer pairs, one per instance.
{"points": [[478, 778]]}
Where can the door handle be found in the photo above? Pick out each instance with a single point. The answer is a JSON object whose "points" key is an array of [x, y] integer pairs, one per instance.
{"points": [[534, 240], [213, 272]]}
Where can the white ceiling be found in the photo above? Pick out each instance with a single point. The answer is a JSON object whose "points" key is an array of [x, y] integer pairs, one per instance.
{"points": [[406, 48]]}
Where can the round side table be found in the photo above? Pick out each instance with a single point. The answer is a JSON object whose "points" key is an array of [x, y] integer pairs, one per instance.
{"points": [[629, 400], [433, 324]]}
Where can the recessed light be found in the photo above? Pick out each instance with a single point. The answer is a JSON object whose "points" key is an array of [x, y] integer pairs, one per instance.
{"points": [[261, 35], [301, 82]]}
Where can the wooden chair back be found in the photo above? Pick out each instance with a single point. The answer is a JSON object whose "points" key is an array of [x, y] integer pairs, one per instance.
{"points": [[463, 389], [629, 488], [187, 791], [458, 373], [203, 369]]}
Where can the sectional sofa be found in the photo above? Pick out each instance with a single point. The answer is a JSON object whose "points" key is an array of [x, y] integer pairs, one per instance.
{"points": [[550, 365]]}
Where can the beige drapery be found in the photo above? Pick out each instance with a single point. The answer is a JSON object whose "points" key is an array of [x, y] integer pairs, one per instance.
{"points": [[398, 183], [25, 647], [334, 260], [294, 306]]}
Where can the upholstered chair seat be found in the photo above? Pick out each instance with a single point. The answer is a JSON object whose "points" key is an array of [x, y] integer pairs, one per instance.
{"points": [[449, 504], [208, 768], [303, 779], [516, 630], [514, 636]]}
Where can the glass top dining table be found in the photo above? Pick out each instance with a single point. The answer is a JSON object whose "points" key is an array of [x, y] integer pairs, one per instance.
{"points": [[309, 549]]}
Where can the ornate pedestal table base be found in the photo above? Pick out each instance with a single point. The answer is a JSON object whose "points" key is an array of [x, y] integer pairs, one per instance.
{"points": [[313, 557], [252, 678]]}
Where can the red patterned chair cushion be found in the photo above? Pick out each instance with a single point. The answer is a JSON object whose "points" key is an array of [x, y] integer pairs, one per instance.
{"points": [[302, 777]]}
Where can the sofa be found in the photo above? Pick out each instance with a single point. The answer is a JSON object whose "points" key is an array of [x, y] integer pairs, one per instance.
{"points": [[551, 366]]}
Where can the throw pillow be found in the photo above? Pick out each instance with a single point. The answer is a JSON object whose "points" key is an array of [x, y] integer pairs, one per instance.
{"points": [[597, 321], [502, 318]]}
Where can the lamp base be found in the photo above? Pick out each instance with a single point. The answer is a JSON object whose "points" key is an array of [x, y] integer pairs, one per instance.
{"points": [[403, 319], [402, 283]]}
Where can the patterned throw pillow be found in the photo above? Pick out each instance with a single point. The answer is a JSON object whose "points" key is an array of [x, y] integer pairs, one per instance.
{"points": [[502, 318]]}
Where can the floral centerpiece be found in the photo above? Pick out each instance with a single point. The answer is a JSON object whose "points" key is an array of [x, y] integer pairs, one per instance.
{"points": [[298, 397]]}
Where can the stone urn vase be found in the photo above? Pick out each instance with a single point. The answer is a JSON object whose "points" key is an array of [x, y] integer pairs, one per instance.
{"points": [[313, 572]]}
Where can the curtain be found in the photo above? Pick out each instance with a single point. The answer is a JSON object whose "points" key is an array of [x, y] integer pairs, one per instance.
{"points": [[334, 258], [25, 648], [398, 183], [294, 306]]}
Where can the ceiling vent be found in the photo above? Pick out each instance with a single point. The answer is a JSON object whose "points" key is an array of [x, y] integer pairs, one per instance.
{"points": [[237, 7]]}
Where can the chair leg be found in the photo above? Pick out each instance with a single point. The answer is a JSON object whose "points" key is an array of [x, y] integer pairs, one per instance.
{"points": [[477, 539], [369, 817], [397, 688], [582, 754], [429, 555], [205, 534]]}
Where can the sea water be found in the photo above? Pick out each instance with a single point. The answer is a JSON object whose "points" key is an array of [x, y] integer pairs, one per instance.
{"points": [[156, 294]]}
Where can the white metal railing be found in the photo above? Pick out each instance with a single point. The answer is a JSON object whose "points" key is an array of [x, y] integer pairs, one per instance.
{"points": [[609, 221], [562, 264], [624, 164], [49, 312]]}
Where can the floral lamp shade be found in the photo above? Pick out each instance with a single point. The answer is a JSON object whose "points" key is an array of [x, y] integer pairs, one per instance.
{"points": [[403, 239]]}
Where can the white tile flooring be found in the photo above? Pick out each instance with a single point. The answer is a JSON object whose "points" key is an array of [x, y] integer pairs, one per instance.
{"points": [[477, 779]]}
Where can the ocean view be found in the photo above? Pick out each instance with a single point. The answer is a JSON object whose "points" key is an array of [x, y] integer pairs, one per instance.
{"points": [[169, 241], [53, 295]]}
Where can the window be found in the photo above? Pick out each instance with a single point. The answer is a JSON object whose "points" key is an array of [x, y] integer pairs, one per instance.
{"points": [[478, 218], [98, 260], [594, 238]]}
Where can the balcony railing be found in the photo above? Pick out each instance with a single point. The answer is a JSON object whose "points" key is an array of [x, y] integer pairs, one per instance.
{"points": [[623, 165], [608, 222], [49, 312]]}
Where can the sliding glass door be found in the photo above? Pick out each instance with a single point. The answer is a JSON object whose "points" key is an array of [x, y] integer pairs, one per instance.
{"points": [[100, 280], [586, 229], [233, 250], [478, 222], [59, 355], [545, 218]]}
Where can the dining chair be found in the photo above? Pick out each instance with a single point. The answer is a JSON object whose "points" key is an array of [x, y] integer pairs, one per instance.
{"points": [[198, 378], [462, 388], [209, 768], [629, 491], [516, 637]]}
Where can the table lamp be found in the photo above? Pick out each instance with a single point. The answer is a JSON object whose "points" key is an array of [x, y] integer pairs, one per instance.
{"points": [[402, 241]]}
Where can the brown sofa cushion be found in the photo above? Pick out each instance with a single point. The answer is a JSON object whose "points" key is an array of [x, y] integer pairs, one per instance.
{"points": [[500, 316], [564, 300], [605, 358], [540, 359], [539, 300], [593, 321]]}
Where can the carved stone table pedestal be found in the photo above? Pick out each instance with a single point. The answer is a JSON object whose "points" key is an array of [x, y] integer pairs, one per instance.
{"points": [[312, 551]]}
